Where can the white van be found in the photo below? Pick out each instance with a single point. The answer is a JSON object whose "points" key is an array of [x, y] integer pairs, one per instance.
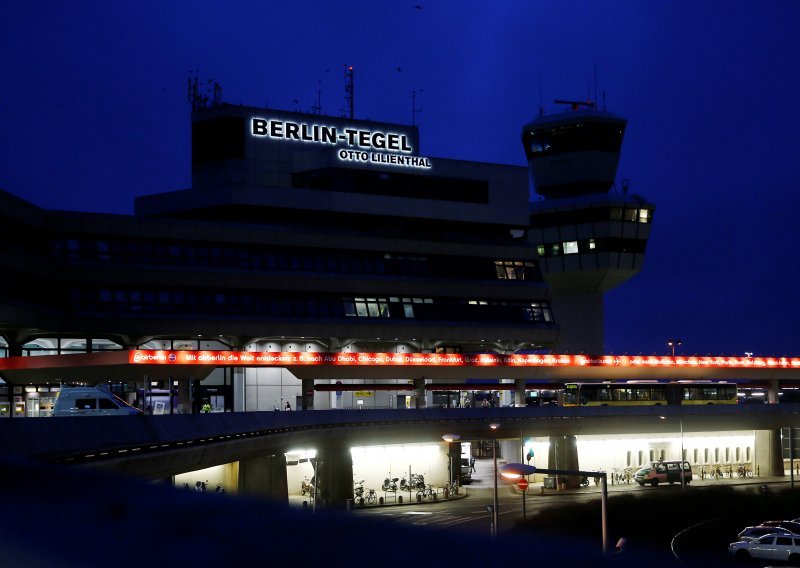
{"points": [[91, 401]]}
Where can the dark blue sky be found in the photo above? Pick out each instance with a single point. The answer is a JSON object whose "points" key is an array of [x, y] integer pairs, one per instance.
{"points": [[93, 112]]}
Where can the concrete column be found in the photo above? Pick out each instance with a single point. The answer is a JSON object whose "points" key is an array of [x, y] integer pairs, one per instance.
{"points": [[15, 348], [184, 398], [308, 394], [264, 476], [519, 392], [772, 392], [334, 477], [563, 454], [454, 461], [419, 393], [768, 458]]}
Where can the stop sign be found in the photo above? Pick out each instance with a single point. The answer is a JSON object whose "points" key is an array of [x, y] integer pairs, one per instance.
{"points": [[522, 484]]}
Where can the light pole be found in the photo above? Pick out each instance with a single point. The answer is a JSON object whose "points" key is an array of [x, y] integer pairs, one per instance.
{"points": [[674, 342], [494, 426], [515, 471]]}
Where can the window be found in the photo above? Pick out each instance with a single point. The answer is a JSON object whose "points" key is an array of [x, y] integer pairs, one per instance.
{"points": [[644, 215], [107, 404], [570, 247], [540, 250]]}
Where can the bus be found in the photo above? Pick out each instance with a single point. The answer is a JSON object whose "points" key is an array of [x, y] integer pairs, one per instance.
{"points": [[648, 393]]}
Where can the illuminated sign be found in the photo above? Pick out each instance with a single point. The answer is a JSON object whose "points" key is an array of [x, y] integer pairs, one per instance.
{"points": [[301, 358], [330, 135], [384, 159], [374, 147]]}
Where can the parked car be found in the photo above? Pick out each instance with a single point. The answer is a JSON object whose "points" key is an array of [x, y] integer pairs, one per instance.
{"points": [[793, 526], [773, 546], [654, 473], [752, 533]]}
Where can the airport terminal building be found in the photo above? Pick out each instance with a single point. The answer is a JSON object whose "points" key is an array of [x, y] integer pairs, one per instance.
{"points": [[304, 233]]}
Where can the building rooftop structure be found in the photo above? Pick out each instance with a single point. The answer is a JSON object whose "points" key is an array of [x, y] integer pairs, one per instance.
{"points": [[303, 232]]}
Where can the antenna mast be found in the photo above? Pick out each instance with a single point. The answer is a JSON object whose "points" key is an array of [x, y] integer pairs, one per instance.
{"points": [[316, 108], [349, 88], [414, 108]]}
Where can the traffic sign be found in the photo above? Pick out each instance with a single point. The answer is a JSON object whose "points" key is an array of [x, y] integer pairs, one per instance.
{"points": [[522, 484]]}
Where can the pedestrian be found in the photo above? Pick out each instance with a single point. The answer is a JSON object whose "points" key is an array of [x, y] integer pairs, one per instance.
{"points": [[288, 406], [472, 464]]}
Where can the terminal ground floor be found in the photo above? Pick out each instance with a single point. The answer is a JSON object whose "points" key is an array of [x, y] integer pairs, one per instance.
{"points": [[761, 452]]}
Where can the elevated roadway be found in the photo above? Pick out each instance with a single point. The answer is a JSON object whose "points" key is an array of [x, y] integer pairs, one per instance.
{"points": [[156, 447]]}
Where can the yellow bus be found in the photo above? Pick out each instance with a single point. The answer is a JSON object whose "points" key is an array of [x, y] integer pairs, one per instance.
{"points": [[648, 393]]}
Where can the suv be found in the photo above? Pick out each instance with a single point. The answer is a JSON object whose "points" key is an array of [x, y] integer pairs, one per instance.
{"points": [[781, 547], [752, 533], [663, 472]]}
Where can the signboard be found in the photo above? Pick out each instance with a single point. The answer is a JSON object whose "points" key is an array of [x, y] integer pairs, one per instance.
{"points": [[363, 393], [302, 358], [522, 484], [375, 147]]}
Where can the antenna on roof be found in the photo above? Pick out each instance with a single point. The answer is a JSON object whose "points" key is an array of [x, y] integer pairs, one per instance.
{"points": [[414, 108], [316, 108], [349, 88], [541, 105], [210, 98]]}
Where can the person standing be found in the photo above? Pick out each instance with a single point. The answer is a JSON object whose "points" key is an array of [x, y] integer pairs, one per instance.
{"points": [[288, 406]]}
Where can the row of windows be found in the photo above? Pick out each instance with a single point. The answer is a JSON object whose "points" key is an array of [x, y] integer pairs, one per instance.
{"points": [[144, 252], [394, 184], [573, 137], [592, 215], [286, 305], [637, 246]]}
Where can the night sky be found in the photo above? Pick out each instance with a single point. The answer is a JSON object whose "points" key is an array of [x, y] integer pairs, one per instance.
{"points": [[94, 111]]}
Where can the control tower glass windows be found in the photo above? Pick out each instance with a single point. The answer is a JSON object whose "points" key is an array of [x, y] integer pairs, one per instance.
{"points": [[591, 215], [574, 137], [593, 245]]}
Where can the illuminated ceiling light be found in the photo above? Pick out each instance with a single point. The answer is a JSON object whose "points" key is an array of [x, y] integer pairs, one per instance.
{"points": [[451, 437], [494, 425]]}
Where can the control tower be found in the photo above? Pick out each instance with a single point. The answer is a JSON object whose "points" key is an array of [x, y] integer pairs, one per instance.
{"points": [[590, 236]]}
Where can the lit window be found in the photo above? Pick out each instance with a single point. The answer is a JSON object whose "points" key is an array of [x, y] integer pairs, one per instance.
{"points": [[592, 244], [570, 247], [644, 215], [540, 250], [408, 310]]}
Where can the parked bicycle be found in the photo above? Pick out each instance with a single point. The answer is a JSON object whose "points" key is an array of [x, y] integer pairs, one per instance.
{"points": [[428, 492], [744, 470]]}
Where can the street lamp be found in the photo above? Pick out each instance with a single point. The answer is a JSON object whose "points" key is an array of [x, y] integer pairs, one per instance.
{"points": [[515, 471], [495, 514], [674, 342]]}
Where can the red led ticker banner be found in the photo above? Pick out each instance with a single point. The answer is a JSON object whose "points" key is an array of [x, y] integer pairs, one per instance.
{"points": [[300, 358]]}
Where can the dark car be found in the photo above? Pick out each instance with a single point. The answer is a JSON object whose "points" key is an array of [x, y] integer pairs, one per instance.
{"points": [[789, 525], [752, 533]]}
